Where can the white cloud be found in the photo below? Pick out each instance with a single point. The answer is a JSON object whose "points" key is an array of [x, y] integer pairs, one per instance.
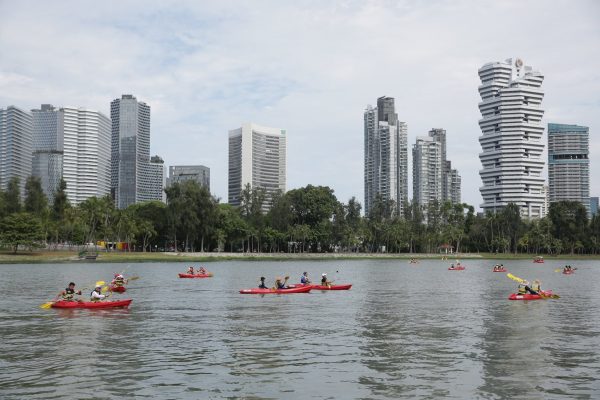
{"points": [[308, 67]]}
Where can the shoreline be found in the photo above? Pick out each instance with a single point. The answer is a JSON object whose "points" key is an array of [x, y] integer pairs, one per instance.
{"points": [[64, 257]]}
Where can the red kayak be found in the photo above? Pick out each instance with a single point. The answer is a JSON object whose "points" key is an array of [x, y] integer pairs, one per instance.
{"points": [[303, 289], [92, 304], [538, 261], [117, 289], [208, 275], [569, 272], [528, 296], [321, 287], [456, 269], [499, 270]]}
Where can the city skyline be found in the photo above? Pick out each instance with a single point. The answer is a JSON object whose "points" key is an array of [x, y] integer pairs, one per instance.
{"points": [[192, 68]]}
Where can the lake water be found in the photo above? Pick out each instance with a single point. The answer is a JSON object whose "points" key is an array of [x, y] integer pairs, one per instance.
{"points": [[402, 331]]}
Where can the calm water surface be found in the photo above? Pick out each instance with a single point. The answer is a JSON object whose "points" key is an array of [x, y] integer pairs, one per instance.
{"points": [[402, 331]]}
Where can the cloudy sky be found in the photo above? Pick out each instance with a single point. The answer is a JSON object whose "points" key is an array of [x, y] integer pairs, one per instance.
{"points": [[310, 67]]}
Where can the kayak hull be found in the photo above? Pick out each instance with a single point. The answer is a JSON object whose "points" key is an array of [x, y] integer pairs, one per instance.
{"points": [[117, 289], [321, 287], [195, 275], [568, 272], [528, 296], [456, 269], [92, 304], [303, 289], [538, 261], [500, 270]]}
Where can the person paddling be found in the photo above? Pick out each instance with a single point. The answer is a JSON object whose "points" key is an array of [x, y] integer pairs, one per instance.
{"points": [[202, 271], [324, 281], [536, 286], [304, 278], [69, 293], [262, 283], [190, 271], [118, 281], [281, 284], [524, 288], [96, 294]]}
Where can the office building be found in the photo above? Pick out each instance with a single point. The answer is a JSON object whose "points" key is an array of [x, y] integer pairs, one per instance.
{"points": [[257, 156], [130, 150], [16, 146], [568, 163], [386, 155], [511, 141], [72, 144], [594, 206], [153, 181], [181, 173]]}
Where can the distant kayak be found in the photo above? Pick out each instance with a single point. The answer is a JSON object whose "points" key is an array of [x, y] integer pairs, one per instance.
{"points": [[303, 289], [117, 289], [321, 287], [92, 304], [528, 296], [208, 275], [499, 270], [538, 261], [569, 272], [456, 269]]}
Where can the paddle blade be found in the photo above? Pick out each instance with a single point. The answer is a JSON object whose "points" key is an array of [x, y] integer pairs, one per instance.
{"points": [[105, 289], [557, 270], [133, 278], [210, 274], [47, 305], [515, 278], [100, 283]]}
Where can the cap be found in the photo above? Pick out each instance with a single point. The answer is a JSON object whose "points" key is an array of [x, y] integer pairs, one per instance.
{"points": [[323, 274]]}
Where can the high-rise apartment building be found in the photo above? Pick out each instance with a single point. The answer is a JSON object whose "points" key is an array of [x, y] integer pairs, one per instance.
{"points": [[130, 150], [568, 163], [511, 141], [181, 173], [546, 194], [451, 181], [593, 205], [16, 146], [72, 144], [257, 156], [386, 155], [153, 182], [427, 171]]}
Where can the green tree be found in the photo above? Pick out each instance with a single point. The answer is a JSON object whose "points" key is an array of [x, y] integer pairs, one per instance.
{"points": [[36, 202], [61, 202], [21, 229], [12, 196]]}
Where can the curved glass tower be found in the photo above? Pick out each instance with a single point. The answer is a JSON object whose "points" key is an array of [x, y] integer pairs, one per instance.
{"points": [[511, 141]]}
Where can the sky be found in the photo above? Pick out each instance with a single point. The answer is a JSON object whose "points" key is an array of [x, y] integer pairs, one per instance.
{"points": [[309, 67]]}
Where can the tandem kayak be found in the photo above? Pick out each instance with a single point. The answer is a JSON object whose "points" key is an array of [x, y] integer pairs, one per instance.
{"points": [[117, 289], [303, 289], [528, 296], [456, 269], [209, 275], [499, 270], [92, 304], [569, 272], [321, 287], [538, 261]]}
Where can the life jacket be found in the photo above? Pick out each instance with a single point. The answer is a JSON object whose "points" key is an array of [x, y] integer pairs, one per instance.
{"points": [[303, 279], [68, 294], [324, 281], [521, 289], [92, 298], [536, 287]]}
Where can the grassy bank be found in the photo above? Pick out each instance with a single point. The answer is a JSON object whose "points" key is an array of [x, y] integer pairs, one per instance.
{"points": [[53, 257]]}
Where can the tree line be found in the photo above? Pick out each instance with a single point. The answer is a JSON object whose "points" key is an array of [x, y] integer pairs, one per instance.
{"points": [[307, 219]]}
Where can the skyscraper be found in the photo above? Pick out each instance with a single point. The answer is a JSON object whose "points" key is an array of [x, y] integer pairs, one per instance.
{"points": [[568, 163], [130, 150], [72, 144], [181, 173], [511, 143], [386, 155], [16, 146], [427, 171], [257, 156], [451, 181], [593, 205], [154, 181]]}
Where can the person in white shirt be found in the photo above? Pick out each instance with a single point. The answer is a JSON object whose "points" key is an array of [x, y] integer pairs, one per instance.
{"points": [[97, 295]]}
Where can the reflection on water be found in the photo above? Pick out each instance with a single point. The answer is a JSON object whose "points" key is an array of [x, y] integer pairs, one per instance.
{"points": [[402, 331]]}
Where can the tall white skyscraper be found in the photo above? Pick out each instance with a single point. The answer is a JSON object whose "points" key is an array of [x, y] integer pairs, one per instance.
{"points": [[16, 146], [257, 156], [386, 155], [511, 143], [427, 171], [72, 144], [130, 160], [569, 164]]}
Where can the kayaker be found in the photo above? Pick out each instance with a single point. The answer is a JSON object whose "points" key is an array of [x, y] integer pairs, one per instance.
{"points": [[324, 281], [190, 271], [202, 271], [452, 266], [69, 293], [96, 294], [262, 283], [118, 281], [536, 286], [524, 288], [304, 278], [281, 285]]}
